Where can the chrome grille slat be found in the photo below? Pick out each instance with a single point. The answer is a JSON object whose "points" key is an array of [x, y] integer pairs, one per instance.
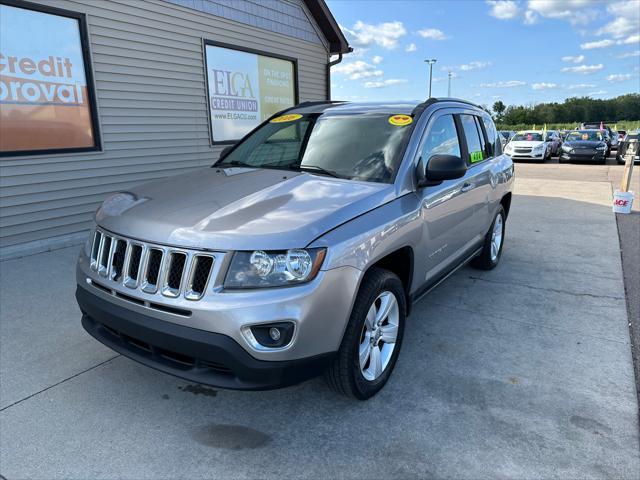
{"points": [[199, 274], [117, 259], [151, 268], [134, 264], [175, 264], [105, 255], [95, 250]]}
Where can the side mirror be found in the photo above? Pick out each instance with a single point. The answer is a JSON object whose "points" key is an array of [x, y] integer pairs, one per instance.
{"points": [[440, 168], [225, 151]]}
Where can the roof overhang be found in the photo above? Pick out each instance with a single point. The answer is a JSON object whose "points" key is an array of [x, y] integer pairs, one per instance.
{"points": [[330, 29]]}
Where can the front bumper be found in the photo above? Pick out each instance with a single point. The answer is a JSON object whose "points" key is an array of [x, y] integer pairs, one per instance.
{"points": [[195, 355], [589, 157], [528, 156], [319, 309]]}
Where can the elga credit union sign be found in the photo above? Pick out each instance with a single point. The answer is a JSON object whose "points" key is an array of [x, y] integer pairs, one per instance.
{"points": [[245, 89], [43, 85]]}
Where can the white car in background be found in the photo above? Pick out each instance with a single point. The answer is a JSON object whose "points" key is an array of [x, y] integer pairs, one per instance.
{"points": [[529, 145]]}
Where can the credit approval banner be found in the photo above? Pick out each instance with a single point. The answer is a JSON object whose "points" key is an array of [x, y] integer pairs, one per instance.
{"points": [[245, 89], [44, 103]]}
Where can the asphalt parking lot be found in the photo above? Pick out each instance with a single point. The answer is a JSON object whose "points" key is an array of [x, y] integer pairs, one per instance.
{"points": [[522, 372]]}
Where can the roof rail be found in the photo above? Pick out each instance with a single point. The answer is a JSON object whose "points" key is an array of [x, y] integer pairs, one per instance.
{"points": [[427, 103], [318, 102]]}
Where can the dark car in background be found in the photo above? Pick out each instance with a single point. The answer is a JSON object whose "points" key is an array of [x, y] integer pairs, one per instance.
{"points": [[624, 146], [555, 142], [611, 137], [584, 145]]}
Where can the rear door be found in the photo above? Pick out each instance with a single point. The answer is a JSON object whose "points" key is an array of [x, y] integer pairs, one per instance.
{"points": [[478, 180]]}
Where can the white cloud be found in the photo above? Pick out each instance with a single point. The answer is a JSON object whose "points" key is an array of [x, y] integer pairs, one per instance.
{"points": [[597, 44], [384, 83], [626, 21], [619, 77], [377, 60], [412, 47], [503, 9], [573, 59], [577, 86], [474, 66], [573, 11], [432, 34], [385, 35], [629, 40], [507, 84], [617, 28], [596, 93], [635, 53], [584, 69], [465, 67], [358, 69], [544, 86]]}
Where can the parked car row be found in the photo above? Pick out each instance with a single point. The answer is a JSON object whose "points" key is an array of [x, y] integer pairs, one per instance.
{"points": [[587, 142]]}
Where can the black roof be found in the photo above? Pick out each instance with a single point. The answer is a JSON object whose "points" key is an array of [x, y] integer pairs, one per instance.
{"points": [[327, 23]]}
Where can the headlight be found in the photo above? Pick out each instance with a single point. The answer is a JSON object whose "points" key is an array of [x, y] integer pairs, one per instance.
{"points": [[261, 269], [601, 147], [538, 147], [567, 149], [508, 148]]}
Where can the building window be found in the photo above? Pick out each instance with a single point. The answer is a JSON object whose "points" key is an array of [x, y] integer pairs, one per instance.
{"points": [[46, 94], [245, 87]]}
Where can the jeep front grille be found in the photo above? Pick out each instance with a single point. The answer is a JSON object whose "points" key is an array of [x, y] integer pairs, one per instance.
{"points": [[151, 268]]}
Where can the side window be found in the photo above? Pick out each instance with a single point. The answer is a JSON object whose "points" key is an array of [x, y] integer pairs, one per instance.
{"points": [[485, 150], [495, 146], [474, 146], [441, 139]]}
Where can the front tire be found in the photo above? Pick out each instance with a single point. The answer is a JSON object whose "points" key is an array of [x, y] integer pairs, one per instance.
{"points": [[491, 252], [372, 340]]}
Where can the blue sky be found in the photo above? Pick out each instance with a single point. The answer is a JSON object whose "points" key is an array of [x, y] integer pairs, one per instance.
{"points": [[520, 52]]}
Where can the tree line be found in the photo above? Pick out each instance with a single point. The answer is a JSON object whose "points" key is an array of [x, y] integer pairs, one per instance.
{"points": [[572, 110]]}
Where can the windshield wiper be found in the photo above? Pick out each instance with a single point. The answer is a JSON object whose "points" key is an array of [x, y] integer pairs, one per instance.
{"points": [[316, 168], [233, 164]]}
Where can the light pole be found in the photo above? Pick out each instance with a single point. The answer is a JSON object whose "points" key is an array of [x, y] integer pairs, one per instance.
{"points": [[430, 62], [449, 89]]}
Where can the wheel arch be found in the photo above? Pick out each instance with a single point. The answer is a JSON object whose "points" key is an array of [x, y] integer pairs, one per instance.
{"points": [[401, 263]]}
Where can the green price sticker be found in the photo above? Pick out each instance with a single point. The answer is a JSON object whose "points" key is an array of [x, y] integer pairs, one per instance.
{"points": [[476, 156]]}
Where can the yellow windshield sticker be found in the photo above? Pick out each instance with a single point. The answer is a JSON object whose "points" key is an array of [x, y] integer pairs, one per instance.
{"points": [[291, 117], [476, 156], [400, 120]]}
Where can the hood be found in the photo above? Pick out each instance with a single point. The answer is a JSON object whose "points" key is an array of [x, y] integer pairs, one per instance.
{"points": [[584, 143], [239, 208], [525, 143]]}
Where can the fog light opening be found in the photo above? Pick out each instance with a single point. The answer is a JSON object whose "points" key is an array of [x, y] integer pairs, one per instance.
{"points": [[269, 336]]}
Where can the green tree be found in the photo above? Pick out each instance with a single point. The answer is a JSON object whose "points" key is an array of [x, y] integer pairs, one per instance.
{"points": [[499, 107]]}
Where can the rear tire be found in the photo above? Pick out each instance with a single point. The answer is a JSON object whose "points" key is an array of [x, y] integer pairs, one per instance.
{"points": [[361, 379], [489, 257]]}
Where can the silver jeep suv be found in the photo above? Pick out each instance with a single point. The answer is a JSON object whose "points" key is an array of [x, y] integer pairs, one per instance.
{"points": [[302, 249]]}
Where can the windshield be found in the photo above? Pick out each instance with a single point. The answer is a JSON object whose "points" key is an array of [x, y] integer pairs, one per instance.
{"points": [[527, 137], [357, 146], [586, 136]]}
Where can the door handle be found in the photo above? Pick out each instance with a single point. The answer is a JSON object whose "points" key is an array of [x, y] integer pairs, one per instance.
{"points": [[467, 186]]}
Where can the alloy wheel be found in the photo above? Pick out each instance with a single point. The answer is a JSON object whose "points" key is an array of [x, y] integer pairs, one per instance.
{"points": [[496, 237], [379, 334]]}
